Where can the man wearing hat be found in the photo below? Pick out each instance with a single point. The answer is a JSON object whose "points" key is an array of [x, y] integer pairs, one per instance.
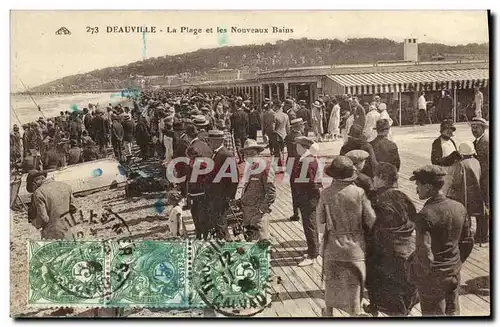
{"points": [[143, 137], [317, 120], [479, 128], [117, 136], [384, 149], [100, 130], [434, 267], [268, 117], [296, 130], [306, 191], [128, 134], [344, 213], [253, 123], [197, 189], [444, 150], [239, 127], [358, 158], [289, 110], [389, 246], [356, 141], [50, 202], [201, 124], [221, 189], [359, 112], [258, 195], [305, 114]]}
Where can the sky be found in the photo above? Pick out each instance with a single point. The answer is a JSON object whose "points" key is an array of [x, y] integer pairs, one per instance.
{"points": [[39, 56]]}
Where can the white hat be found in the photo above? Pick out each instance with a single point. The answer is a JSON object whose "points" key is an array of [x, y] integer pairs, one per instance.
{"points": [[466, 148], [382, 106]]}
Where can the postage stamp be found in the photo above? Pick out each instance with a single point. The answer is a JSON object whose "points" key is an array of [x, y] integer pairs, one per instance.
{"points": [[153, 274], [230, 274], [66, 273]]}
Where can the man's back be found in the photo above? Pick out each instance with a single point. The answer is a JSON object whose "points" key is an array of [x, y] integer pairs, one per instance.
{"points": [[51, 201], [239, 123], [442, 219], [282, 124], [268, 121], [386, 151]]}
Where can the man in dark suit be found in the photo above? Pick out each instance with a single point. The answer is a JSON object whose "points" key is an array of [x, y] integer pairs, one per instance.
{"points": [[296, 130], [384, 149], [221, 189], [198, 185], [482, 146], [268, 127], [305, 114], [240, 127]]}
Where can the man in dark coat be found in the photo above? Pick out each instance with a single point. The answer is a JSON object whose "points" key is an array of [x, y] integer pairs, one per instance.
{"points": [[307, 190], [482, 146], [143, 137], [305, 114], [268, 127], [239, 128], [358, 158], [445, 110], [389, 245], [221, 189], [197, 186], [128, 134], [296, 130], [253, 123], [100, 131], [434, 267], [356, 141], [359, 112], [117, 136], [385, 150]]}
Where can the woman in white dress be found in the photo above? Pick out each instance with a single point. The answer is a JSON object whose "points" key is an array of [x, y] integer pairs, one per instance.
{"points": [[317, 120], [334, 121], [382, 108]]}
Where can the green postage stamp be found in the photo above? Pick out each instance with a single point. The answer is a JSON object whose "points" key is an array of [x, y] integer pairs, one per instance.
{"points": [[150, 274]]}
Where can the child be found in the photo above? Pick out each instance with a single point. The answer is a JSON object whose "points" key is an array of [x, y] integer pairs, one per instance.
{"points": [[173, 214]]}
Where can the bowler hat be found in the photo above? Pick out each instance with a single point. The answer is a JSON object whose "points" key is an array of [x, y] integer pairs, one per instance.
{"points": [[356, 131], [447, 124], [31, 177], [382, 124], [341, 169], [428, 174]]}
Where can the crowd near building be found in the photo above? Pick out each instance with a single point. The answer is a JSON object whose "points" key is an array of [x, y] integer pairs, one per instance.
{"points": [[361, 225]]}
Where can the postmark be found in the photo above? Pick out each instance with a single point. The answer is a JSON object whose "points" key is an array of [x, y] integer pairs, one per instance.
{"points": [[231, 275], [66, 273]]}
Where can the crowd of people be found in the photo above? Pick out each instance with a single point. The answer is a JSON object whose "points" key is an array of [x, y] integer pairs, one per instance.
{"points": [[367, 232]]}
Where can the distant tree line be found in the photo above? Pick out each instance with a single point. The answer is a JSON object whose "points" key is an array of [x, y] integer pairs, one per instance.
{"points": [[282, 54]]}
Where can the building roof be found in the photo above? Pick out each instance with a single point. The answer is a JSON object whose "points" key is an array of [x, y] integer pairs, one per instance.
{"points": [[373, 68], [373, 83]]}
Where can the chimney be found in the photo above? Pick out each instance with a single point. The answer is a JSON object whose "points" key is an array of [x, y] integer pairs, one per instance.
{"points": [[411, 50]]}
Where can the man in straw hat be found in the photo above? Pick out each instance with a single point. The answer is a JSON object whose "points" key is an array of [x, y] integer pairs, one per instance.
{"points": [[258, 195], [296, 130], [306, 188], [434, 267], [479, 128], [344, 212], [221, 189], [201, 124]]}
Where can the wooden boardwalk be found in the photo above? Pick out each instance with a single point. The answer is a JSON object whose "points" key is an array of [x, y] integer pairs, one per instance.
{"points": [[300, 292]]}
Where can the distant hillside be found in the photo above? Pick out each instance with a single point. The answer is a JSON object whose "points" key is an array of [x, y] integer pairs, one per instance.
{"points": [[282, 54]]}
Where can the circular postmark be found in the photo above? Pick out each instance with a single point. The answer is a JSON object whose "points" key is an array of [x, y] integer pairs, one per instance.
{"points": [[232, 278]]}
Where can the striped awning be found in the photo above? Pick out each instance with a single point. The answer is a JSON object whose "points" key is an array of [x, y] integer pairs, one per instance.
{"points": [[376, 83]]}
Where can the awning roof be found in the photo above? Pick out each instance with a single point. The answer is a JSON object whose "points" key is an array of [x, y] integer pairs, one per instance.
{"points": [[374, 83]]}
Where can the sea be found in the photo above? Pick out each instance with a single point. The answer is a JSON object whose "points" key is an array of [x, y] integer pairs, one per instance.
{"points": [[52, 105]]}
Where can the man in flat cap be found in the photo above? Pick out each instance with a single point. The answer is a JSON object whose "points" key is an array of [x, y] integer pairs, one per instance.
{"points": [[221, 189], [358, 158], [50, 202], [296, 130], [306, 188], [434, 267], [479, 128]]}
